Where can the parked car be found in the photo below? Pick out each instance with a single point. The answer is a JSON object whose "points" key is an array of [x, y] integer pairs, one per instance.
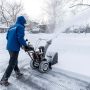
{"points": [[35, 30]]}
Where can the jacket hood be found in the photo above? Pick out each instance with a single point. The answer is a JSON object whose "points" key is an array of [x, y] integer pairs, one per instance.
{"points": [[21, 20]]}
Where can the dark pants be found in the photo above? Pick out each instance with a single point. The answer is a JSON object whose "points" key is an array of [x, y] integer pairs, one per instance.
{"points": [[13, 65]]}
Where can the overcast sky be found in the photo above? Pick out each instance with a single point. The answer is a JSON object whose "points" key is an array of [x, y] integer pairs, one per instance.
{"points": [[33, 8]]}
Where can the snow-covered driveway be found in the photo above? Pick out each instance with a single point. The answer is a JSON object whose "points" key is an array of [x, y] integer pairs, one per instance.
{"points": [[53, 80], [33, 80]]}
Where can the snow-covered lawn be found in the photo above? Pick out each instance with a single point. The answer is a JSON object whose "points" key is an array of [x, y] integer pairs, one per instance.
{"points": [[73, 51]]}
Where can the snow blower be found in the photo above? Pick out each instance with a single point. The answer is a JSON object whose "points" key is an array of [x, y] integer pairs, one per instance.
{"points": [[41, 59]]}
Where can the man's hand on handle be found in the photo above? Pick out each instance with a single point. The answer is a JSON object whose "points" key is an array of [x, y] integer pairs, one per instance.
{"points": [[28, 48]]}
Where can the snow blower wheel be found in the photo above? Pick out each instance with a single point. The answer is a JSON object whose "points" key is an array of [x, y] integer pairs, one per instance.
{"points": [[34, 64], [44, 66]]}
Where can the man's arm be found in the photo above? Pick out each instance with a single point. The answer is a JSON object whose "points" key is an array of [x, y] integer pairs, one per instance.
{"points": [[20, 36]]}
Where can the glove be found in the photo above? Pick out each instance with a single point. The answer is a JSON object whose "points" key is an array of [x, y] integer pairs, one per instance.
{"points": [[28, 48]]}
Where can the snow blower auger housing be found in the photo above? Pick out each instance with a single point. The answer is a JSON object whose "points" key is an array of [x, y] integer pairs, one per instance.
{"points": [[40, 59]]}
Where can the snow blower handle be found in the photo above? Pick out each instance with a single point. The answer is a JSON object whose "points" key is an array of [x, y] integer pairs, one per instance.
{"points": [[28, 47]]}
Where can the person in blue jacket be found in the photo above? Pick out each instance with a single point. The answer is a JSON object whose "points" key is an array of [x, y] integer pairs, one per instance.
{"points": [[15, 40]]}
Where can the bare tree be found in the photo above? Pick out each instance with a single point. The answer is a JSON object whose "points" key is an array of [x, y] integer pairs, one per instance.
{"points": [[79, 5], [50, 10], [55, 11], [9, 11]]}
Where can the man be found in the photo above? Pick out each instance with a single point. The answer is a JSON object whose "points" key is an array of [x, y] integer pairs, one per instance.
{"points": [[15, 40]]}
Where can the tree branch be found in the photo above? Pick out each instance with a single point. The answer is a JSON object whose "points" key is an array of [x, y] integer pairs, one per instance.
{"points": [[80, 5]]}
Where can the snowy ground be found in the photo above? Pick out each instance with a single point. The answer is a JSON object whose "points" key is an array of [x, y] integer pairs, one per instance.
{"points": [[73, 50]]}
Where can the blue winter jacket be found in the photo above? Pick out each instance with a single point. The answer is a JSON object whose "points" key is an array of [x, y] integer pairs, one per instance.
{"points": [[15, 35]]}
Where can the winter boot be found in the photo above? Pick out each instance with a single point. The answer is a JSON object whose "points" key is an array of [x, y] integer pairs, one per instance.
{"points": [[19, 75], [4, 82]]}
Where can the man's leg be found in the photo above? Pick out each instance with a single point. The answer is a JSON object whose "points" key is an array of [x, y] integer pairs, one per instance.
{"points": [[17, 71], [12, 63]]}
